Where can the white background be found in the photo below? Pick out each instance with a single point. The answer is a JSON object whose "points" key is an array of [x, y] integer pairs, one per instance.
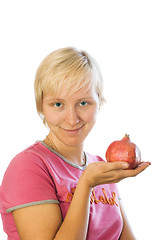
{"points": [[124, 37]]}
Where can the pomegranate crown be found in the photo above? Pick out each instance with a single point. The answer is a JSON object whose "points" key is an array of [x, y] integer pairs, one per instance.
{"points": [[126, 137]]}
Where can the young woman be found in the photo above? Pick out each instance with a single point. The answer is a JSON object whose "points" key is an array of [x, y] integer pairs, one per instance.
{"points": [[53, 189]]}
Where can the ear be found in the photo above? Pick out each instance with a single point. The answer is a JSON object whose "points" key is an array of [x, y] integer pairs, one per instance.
{"points": [[99, 107]]}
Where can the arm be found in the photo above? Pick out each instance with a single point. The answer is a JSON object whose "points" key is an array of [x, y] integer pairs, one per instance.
{"points": [[44, 222], [38, 222], [127, 231]]}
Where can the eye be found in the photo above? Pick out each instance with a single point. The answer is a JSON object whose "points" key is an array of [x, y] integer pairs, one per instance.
{"points": [[83, 103], [58, 104]]}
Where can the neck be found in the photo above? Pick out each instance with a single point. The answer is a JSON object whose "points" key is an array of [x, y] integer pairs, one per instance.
{"points": [[73, 154]]}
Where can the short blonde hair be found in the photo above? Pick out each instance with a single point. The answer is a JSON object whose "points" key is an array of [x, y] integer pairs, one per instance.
{"points": [[64, 68]]}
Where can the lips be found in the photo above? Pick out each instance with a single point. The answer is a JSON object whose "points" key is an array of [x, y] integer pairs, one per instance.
{"points": [[72, 130]]}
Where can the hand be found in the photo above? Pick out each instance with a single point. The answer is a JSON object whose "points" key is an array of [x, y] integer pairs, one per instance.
{"points": [[98, 173]]}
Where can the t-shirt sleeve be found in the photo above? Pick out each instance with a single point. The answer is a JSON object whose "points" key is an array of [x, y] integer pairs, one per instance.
{"points": [[27, 182]]}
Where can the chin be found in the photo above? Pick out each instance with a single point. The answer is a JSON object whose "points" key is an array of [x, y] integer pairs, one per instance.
{"points": [[72, 142]]}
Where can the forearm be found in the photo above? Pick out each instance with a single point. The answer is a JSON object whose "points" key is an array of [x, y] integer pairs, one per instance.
{"points": [[126, 231], [75, 224], [127, 234]]}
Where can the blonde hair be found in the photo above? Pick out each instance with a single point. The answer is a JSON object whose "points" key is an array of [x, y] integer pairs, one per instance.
{"points": [[64, 68]]}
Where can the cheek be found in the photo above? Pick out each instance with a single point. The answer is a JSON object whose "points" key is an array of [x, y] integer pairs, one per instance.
{"points": [[90, 116], [51, 117]]}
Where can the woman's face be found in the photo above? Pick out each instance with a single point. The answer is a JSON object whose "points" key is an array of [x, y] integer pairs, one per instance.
{"points": [[71, 115]]}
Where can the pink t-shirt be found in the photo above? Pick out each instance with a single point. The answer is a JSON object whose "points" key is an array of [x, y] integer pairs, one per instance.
{"points": [[39, 175]]}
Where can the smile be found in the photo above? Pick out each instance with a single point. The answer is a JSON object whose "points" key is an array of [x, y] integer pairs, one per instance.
{"points": [[72, 131]]}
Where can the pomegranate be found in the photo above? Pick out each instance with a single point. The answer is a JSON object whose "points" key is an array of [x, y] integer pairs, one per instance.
{"points": [[124, 150]]}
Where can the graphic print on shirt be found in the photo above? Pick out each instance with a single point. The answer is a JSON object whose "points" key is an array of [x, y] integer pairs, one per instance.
{"points": [[95, 199]]}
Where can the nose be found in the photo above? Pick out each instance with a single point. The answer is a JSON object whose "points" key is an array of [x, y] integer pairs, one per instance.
{"points": [[72, 117]]}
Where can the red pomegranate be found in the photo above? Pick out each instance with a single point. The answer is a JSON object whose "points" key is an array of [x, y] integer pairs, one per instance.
{"points": [[124, 150]]}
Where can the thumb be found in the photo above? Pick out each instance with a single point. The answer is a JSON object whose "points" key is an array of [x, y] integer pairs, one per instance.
{"points": [[118, 165]]}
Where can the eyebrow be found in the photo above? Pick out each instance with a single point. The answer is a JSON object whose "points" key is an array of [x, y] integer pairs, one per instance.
{"points": [[84, 98], [61, 100]]}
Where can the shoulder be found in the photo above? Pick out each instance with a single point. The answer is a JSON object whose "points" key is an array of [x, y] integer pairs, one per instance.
{"points": [[26, 158], [29, 162], [27, 179]]}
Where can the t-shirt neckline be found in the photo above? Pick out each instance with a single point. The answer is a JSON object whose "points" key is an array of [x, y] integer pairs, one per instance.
{"points": [[64, 159]]}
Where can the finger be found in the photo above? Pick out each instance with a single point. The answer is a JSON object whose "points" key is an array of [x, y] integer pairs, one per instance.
{"points": [[143, 163], [116, 175], [110, 166], [115, 170], [136, 171]]}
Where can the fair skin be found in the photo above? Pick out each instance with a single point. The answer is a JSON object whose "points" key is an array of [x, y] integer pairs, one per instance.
{"points": [[70, 119]]}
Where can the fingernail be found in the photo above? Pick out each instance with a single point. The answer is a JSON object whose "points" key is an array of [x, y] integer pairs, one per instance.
{"points": [[148, 164], [145, 164], [125, 165]]}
